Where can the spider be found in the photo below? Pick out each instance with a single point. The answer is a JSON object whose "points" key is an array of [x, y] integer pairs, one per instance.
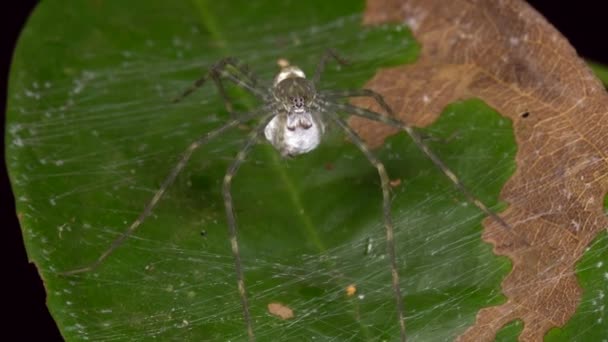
{"points": [[292, 118]]}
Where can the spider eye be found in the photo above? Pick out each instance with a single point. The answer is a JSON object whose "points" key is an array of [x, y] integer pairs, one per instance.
{"points": [[298, 102]]}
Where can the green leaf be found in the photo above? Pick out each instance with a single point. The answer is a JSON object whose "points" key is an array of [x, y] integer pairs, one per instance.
{"points": [[91, 135], [589, 322], [601, 71], [510, 332]]}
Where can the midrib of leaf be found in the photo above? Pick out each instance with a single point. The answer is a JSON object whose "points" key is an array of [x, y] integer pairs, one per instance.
{"points": [[208, 21]]}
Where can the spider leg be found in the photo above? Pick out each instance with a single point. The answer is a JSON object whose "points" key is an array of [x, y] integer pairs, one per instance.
{"points": [[157, 196], [329, 53], [335, 94], [226, 67], [391, 121], [220, 87], [232, 228], [388, 222]]}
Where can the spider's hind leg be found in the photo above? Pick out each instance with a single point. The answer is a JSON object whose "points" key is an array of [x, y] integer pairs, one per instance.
{"points": [[185, 157], [391, 121], [231, 218], [388, 221]]}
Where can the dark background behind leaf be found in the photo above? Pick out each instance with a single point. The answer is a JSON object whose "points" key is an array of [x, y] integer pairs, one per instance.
{"points": [[579, 21]]}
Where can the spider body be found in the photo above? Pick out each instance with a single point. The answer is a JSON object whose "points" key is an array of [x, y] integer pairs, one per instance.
{"points": [[291, 118], [297, 128]]}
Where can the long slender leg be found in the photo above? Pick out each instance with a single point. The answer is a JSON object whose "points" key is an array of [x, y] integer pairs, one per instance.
{"points": [[157, 196], [388, 222], [329, 53], [217, 79], [232, 229], [389, 120], [244, 70], [222, 68], [220, 87], [334, 94]]}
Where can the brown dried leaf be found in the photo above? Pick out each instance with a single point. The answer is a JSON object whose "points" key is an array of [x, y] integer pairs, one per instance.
{"points": [[506, 54]]}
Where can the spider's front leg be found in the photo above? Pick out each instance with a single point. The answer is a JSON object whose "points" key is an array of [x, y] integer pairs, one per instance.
{"points": [[340, 94], [347, 93], [232, 69]]}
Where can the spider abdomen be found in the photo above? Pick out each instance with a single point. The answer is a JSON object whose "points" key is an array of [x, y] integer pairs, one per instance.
{"points": [[294, 134]]}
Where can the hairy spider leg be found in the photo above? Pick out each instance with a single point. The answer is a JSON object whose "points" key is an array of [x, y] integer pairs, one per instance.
{"points": [[204, 139], [388, 221], [329, 53], [220, 87], [223, 68], [232, 226], [389, 120], [222, 90], [333, 94]]}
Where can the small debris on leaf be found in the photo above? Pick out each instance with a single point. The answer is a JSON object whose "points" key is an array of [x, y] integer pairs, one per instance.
{"points": [[351, 290], [280, 310]]}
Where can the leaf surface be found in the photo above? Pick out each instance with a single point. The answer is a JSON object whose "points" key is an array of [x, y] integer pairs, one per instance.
{"points": [[91, 135]]}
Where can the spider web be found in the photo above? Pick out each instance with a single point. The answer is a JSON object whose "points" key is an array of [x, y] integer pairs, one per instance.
{"points": [[91, 136]]}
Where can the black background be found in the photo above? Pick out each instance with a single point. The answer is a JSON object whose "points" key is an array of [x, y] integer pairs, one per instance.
{"points": [[23, 302]]}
